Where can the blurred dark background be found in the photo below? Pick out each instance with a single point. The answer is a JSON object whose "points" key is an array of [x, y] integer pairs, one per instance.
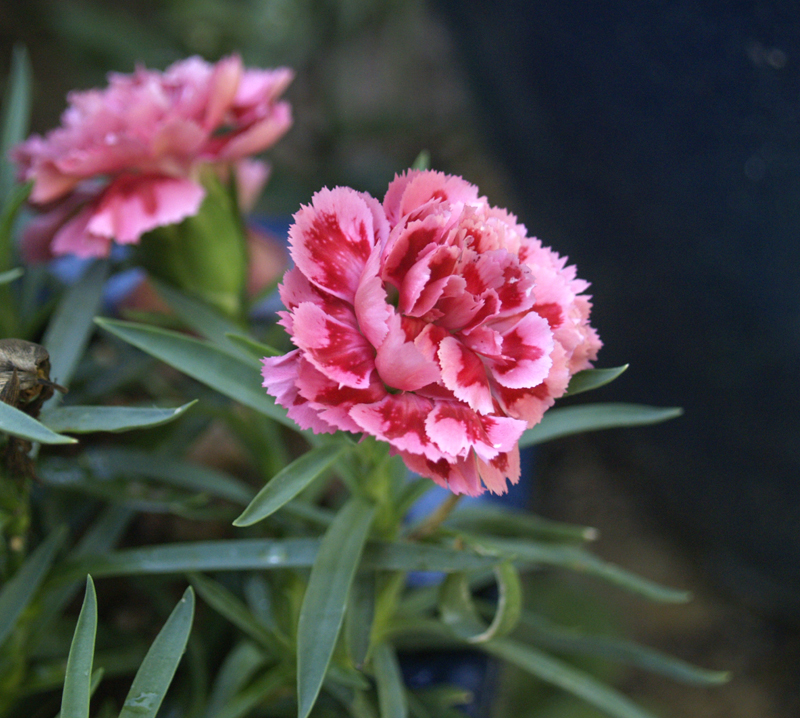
{"points": [[657, 145]]}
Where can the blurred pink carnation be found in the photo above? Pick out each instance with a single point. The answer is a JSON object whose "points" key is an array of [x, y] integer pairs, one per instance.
{"points": [[127, 158], [431, 322]]}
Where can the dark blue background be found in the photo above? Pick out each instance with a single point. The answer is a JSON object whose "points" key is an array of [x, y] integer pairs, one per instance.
{"points": [[658, 144]]}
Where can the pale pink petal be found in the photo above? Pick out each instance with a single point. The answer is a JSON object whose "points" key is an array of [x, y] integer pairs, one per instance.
{"points": [[133, 205], [400, 363], [339, 351], [256, 138], [465, 375], [398, 419], [75, 238], [280, 375], [459, 475], [223, 89], [525, 359], [250, 176], [332, 239], [373, 312], [498, 471]]}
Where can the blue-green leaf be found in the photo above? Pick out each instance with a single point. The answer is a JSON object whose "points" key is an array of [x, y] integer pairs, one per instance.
{"points": [[459, 613], [18, 592], [232, 608], [257, 350], [78, 677], [205, 319], [88, 419], [576, 559], [326, 597], [592, 417], [18, 423], [159, 665], [589, 379], [16, 114], [289, 482], [174, 472], [11, 275], [69, 330], [566, 677], [210, 365], [260, 554], [391, 691], [568, 640]]}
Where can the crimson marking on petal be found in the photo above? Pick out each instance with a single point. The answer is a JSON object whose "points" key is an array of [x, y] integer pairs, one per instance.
{"points": [[404, 251], [552, 312], [464, 374], [337, 350], [398, 419]]}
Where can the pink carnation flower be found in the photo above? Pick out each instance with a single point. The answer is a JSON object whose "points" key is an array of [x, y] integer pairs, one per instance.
{"points": [[126, 159], [431, 322]]}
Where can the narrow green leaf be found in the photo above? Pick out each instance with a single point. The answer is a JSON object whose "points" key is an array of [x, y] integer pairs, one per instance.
{"points": [[289, 482], [17, 592], [576, 559], [360, 617], [500, 521], [326, 597], [16, 114], [174, 472], [236, 670], [567, 640], [391, 691], [459, 613], [77, 680], [566, 677], [69, 330], [593, 417], [18, 423], [589, 379], [232, 555], [206, 320], [210, 365], [159, 665], [229, 606], [406, 556], [97, 676], [257, 350], [11, 275], [88, 419], [9, 309], [260, 554], [242, 704], [100, 537], [422, 161]]}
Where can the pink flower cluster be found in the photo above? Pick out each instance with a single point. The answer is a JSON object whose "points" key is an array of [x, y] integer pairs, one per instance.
{"points": [[127, 158], [432, 322]]}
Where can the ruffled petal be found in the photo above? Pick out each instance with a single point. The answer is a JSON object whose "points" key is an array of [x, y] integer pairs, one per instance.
{"points": [[133, 205]]}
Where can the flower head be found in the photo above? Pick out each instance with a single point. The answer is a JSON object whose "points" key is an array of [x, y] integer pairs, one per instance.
{"points": [[432, 322], [126, 159]]}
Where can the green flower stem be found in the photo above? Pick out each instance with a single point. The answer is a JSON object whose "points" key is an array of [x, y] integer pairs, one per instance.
{"points": [[436, 518]]}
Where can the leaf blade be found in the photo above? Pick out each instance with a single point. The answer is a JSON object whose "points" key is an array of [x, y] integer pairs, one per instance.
{"points": [[159, 665], [569, 420], [18, 592], [325, 599], [89, 419], [289, 482], [204, 362], [590, 379], [78, 678], [558, 673], [18, 423]]}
